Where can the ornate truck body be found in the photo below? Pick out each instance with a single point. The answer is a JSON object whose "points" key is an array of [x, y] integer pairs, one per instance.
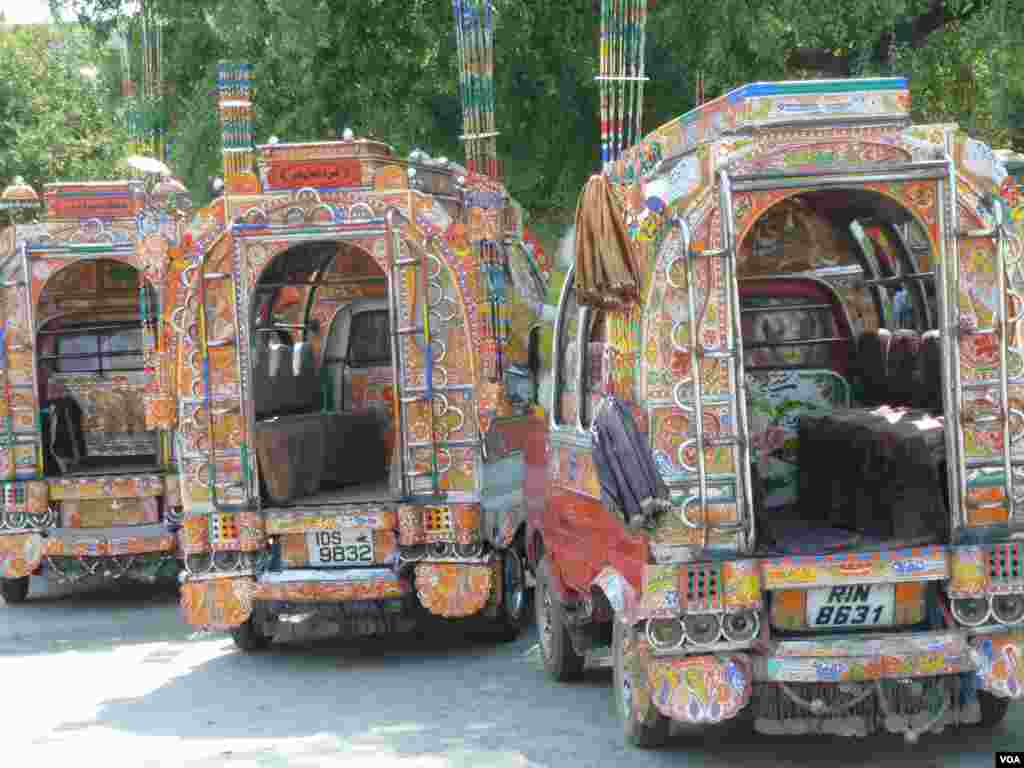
{"points": [[354, 383], [90, 491], [824, 362]]}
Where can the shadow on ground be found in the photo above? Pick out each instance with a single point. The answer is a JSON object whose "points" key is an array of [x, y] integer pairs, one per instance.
{"points": [[458, 701], [93, 619]]}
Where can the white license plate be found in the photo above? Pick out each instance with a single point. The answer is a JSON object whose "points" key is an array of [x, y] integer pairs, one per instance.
{"points": [[334, 548], [856, 605]]}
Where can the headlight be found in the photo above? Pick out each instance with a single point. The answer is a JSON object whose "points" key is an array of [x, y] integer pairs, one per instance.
{"points": [[665, 634], [971, 611], [1008, 609], [441, 549], [702, 628], [469, 551], [741, 626]]}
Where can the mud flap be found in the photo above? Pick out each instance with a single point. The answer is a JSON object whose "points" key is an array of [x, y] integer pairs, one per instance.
{"points": [[20, 555], [1000, 664], [217, 604], [700, 689], [454, 591]]}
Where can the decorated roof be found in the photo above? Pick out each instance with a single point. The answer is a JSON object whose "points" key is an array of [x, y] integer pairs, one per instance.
{"points": [[94, 199], [19, 195], [760, 106]]}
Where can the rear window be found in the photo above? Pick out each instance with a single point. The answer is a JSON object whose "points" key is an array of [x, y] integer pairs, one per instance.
{"points": [[369, 341], [107, 352]]}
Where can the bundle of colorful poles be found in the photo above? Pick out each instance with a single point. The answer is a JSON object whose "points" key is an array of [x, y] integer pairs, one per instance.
{"points": [[234, 85], [474, 27], [623, 38]]}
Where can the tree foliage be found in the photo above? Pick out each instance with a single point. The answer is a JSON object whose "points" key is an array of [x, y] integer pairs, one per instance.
{"points": [[387, 68], [56, 123]]}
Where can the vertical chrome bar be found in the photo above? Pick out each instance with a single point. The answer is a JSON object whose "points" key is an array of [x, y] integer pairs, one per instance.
{"points": [[556, 352], [949, 334], [582, 326], [243, 359], [30, 313], [394, 282], [744, 507], [696, 355], [1004, 385]]}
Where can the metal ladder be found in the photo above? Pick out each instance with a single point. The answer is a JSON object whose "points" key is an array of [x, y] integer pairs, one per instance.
{"points": [[208, 405], [732, 354], [408, 396], [1000, 330]]}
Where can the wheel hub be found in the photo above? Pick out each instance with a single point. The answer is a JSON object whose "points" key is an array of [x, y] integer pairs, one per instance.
{"points": [[515, 588], [544, 619]]}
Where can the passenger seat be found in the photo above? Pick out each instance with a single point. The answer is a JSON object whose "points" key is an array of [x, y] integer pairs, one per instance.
{"points": [[872, 365], [929, 392], [903, 370]]}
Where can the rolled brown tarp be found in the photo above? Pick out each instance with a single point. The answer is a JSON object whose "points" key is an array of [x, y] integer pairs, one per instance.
{"points": [[606, 271]]}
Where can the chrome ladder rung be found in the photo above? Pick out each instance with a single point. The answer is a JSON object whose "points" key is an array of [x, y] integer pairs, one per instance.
{"points": [[991, 463], [723, 441], [719, 354]]}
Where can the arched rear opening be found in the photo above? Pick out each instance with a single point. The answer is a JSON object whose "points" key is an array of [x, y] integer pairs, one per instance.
{"points": [[322, 377], [843, 372], [90, 370]]}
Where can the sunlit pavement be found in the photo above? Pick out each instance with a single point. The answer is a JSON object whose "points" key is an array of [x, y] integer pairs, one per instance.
{"points": [[115, 679]]}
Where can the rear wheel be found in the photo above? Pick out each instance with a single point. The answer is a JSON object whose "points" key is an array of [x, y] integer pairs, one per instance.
{"points": [[651, 728], [512, 614], [248, 637], [561, 661], [14, 590], [993, 709]]}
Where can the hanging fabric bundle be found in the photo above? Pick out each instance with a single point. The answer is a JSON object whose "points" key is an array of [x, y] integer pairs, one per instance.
{"points": [[606, 271]]}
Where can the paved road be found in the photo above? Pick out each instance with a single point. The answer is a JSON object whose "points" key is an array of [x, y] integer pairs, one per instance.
{"points": [[116, 680]]}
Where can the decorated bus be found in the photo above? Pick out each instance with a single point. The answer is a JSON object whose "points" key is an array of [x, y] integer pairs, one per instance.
{"points": [[782, 475], [90, 489], [358, 357]]}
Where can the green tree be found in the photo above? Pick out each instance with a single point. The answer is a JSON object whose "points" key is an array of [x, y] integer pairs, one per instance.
{"points": [[57, 122], [387, 68]]}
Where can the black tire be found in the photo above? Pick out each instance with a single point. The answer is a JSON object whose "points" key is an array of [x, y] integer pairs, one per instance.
{"points": [[14, 590], [652, 729], [249, 638], [561, 661], [993, 709], [512, 615]]}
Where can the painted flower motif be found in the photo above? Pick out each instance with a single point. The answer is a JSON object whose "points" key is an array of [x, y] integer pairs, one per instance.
{"points": [[771, 439], [1009, 192], [680, 362]]}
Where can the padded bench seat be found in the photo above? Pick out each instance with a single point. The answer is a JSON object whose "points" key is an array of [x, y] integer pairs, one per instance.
{"points": [[303, 454]]}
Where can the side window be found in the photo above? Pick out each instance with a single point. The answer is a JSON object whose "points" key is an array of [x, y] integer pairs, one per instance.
{"points": [[522, 382], [593, 363], [567, 384], [118, 351], [122, 351], [535, 364], [369, 340]]}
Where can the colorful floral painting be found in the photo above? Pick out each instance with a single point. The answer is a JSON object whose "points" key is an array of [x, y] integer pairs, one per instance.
{"points": [[777, 400]]}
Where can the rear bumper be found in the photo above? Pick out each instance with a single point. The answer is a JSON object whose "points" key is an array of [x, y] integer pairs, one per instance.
{"points": [[844, 686], [21, 554], [109, 542], [224, 602], [858, 659], [315, 586], [995, 661]]}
